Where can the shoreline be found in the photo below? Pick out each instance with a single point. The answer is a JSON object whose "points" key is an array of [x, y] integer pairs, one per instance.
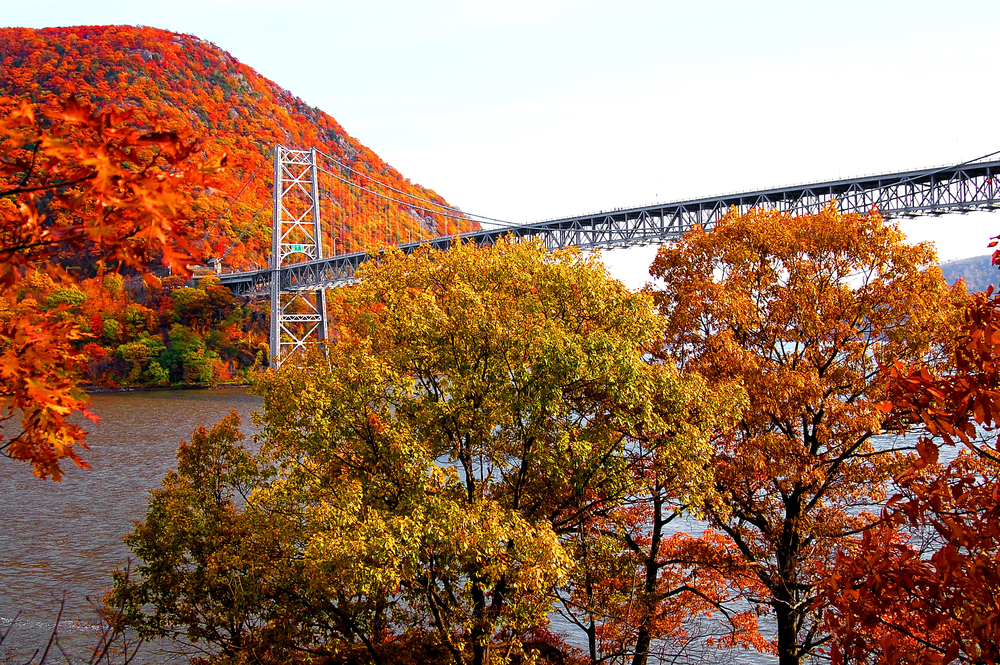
{"points": [[96, 390]]}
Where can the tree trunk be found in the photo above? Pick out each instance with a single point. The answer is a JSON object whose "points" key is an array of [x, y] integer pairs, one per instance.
{"points": [[480, 637], [788, 648], [592, 641], [642, 641], [649, 591]]}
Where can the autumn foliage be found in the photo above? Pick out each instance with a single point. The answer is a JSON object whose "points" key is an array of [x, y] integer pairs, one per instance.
{"points": [[187, 84], [73, 179], [426, 481], [495, 435], [106, 137], [803, 312], [922, 586], [500, 434]]}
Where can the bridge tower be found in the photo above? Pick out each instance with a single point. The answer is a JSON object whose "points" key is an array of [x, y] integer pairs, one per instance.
{"points": [[296, 315]]}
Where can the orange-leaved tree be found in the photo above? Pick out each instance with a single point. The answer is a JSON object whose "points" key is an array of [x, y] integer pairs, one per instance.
{"points": [[75, 179], [645, 591], [803, 311], [922, 586]]}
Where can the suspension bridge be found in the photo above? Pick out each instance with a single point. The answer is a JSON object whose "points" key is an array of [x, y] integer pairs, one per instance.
{"points": [[311, 252]]}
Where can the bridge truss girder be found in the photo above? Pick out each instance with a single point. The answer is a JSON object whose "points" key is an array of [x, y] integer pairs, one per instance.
{"points": [[962, 188]]}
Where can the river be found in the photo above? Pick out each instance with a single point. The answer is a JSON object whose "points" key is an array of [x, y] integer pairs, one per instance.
{"points": [[61, 540]]}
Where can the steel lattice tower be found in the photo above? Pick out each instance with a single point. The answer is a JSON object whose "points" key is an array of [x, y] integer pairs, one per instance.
{"points": [[296, 315]]}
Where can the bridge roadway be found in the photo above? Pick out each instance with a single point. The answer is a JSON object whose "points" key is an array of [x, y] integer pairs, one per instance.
{"points": [[936, 191]]}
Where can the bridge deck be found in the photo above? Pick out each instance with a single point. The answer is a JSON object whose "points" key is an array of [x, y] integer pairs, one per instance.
{"points": [[961, 188]]}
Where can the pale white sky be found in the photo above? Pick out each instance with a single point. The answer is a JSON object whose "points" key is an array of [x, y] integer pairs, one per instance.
{"points": [[524, 110]]}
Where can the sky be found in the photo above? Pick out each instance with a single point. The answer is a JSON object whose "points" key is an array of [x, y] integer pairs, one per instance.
{"points": [[531, 109]]}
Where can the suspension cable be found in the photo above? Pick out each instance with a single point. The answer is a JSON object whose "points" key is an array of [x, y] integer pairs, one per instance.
{"points": [[211, 228], [445, 211], [244, 231], [399, 191]]}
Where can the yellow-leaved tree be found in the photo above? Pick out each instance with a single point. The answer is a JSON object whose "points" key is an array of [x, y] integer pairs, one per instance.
{"points": [[418, 477]]}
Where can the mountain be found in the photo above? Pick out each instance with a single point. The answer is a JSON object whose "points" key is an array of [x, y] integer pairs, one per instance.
{"points": [[179, 79], [168, 332], [978, 272]]}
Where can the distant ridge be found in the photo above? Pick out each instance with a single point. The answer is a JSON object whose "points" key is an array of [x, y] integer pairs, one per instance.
{"points": [[180, 79], [977, 271]]}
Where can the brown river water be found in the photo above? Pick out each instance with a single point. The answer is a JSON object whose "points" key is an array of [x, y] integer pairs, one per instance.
{"points": [[62, 540]]}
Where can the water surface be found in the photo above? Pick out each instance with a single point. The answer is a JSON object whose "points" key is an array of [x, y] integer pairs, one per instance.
{"points": [[61, 540]]}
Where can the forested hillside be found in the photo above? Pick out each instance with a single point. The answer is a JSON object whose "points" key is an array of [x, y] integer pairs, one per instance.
{"points": [[163, 334], [182, 80], [977, 271]]}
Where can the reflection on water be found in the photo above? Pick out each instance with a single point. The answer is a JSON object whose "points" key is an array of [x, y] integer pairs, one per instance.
{"points": [[63, 539]]}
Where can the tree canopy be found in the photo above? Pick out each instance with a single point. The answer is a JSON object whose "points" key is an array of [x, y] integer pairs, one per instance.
{"points": [[418, 479], [803, 311], [921, 586], [499, 433]]}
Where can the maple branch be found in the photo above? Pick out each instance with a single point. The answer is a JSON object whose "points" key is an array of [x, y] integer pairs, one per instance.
{"points": [[39, 188], [881, 519], [4, 634], [31, 167], [352, 627], [53, 637], [434, 601], [809, 644], [13, 249], [902, 629], [10, 440], [979, 450]]}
